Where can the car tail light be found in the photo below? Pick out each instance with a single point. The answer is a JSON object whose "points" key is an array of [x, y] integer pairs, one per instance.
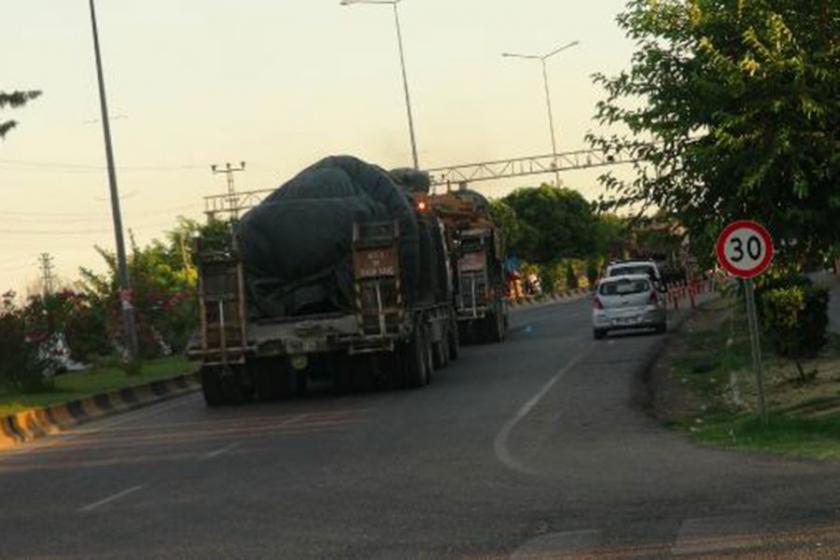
{"points": [[654, 299], [596, 303]]}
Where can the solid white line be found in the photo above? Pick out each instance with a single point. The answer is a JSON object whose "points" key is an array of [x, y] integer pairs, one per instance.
{"points": [[500, 443], [216, 453], [109, 499]]}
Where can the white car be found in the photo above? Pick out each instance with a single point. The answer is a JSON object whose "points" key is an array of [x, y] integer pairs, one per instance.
{"points": [[626, 268], [628, 302]]}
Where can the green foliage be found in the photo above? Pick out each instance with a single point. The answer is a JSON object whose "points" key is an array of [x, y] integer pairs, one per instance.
{"points": [[612, 235], [795, 317], [163, 278], [553, 224], [14, 99], [22, 368], [571, 277], [507, 221], [738, 115], [593, 270]]}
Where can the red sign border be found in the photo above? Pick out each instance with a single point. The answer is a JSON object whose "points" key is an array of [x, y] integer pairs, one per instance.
{"points": [[762, 232]]}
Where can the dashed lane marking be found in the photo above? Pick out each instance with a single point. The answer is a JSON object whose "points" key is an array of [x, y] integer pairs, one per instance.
{"points": [[109, 499], [221, 451]]}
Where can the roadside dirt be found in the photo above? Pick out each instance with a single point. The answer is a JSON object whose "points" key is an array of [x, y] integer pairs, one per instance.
{"points": [[694, 375]]}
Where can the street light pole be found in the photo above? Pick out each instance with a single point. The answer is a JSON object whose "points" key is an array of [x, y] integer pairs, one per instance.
{"points": [[543, 60], [394, 4], [122, 262], [551, 123]]}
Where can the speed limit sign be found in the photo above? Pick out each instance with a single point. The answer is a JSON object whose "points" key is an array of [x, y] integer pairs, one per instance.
{"points": [[745, 249]]}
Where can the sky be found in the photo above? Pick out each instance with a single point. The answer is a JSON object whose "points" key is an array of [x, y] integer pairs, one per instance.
{"points": [[278, 84]]}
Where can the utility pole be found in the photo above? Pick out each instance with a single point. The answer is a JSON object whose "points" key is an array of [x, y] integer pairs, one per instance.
{"points": [[229, 170], [47, 276], [126, 306]]}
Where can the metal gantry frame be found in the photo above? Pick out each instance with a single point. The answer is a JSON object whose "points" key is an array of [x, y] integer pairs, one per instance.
{"points": [[220, 204]]}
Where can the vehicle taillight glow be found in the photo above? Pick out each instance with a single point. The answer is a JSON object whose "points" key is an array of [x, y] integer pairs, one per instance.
{"points": [[596, 303], [653, 298]]}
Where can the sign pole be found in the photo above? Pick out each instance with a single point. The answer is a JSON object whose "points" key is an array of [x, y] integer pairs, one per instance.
{"points": [[755, 343]]}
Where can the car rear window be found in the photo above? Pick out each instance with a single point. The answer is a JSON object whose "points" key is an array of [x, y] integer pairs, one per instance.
{"points": [[629, 270], [624, 287]]}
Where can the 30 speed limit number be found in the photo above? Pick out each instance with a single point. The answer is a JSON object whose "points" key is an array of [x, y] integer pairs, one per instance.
{"points": [[745, 249]]}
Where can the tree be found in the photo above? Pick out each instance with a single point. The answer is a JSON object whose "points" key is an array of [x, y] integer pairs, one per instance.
{"points": [[163, 279], [553, 224], [12, 100], [505, 218], [731, 108]]}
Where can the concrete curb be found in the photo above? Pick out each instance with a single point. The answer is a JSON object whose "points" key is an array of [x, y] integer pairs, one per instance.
{"points": [[36, 423]]}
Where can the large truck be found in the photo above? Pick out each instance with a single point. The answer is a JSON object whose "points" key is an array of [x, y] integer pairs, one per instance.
{"points": [[478, 254], [338, 276]]}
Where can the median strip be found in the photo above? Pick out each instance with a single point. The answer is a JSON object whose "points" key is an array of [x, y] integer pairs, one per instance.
{"points": [[35, 423]]}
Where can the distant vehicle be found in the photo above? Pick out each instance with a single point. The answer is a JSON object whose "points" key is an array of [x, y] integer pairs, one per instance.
{"points": [[479, 280], [627, 302], [627, 268], [339, 275]]}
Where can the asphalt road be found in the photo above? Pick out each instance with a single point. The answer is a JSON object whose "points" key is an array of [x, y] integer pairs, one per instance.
{"points": [[535, 448]]}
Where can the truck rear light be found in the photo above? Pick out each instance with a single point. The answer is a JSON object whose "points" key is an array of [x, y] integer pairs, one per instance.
{"points": [[596, 303]]}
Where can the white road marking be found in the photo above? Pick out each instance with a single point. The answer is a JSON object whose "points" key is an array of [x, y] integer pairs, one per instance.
{"points": [[109, 499], [500, 443], [554, 545], [216, 453]]}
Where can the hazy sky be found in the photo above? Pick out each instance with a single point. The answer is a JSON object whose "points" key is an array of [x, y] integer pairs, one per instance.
{"points": [[279, 84]]}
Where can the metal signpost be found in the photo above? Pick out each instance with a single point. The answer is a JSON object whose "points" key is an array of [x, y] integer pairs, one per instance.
{"points": [[745, 250]]}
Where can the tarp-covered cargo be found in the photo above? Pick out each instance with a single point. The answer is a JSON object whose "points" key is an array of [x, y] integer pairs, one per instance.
{"points": [[296, 245]]}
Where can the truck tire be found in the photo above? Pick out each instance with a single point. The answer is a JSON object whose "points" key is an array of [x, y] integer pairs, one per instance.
{"points": [[454, 341], [211, 386], [412, 361], [440, 350], [232, 386], [344, 374], [493, 327]]}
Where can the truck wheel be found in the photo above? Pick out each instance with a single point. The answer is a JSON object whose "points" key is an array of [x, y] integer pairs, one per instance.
{"points": [[440, 350], [344, 374], [454, 341], [493, 328], [232, 387], [211, 386], [411, 370]]}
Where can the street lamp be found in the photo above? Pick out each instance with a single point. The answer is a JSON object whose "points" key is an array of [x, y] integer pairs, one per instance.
{"points": [[395, 3], [122, 263], [543, 59]]}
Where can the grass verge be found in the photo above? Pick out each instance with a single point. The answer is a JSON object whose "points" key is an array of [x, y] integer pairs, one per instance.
{"points": [[704, 385], [72, 386]]}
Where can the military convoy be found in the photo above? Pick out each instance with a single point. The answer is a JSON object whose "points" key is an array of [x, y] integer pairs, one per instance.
{"points": [[347, 274]]}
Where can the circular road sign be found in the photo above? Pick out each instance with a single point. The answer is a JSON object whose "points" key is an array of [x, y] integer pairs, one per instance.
{"points": [[745, 249]]}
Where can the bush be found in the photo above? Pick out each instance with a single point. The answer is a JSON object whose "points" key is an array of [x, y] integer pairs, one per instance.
{"points": [[592, 270], [795, 319], [571, 277], [22, 368]]}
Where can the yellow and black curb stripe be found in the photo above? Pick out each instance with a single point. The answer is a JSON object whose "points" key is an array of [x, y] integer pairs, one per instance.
{"points": [[36, 423], [552, 298]]}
